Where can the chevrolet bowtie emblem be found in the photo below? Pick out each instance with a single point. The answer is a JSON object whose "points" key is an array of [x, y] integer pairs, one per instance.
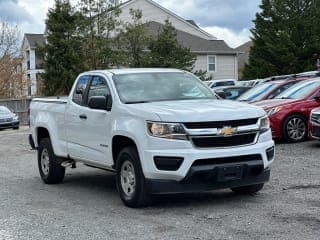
{"points": [[227, 131]]}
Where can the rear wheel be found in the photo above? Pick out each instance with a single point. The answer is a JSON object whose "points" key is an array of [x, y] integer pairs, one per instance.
{"points": [[295, 128], [248, 189], [130, 179], [50, 170]]}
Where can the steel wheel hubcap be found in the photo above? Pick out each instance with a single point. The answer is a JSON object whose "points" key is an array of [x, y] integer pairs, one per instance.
{"points": [[45, 162], [128, 178], [296, 128]]}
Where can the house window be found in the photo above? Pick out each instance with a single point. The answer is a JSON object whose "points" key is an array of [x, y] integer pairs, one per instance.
{"points": [[211, 63]]}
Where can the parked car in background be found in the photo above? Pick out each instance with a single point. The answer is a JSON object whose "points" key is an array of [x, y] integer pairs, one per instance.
{"points": [[289, 112], [308, 74], [315, 123], [267, 90], [248, 83], [231, 93], [8, 119], [221, 83]]}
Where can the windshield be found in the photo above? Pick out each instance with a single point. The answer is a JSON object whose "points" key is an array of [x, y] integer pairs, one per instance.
{"points": [[160, 86], [300, 90], [221, 84], [4, 110], [257, 92]]}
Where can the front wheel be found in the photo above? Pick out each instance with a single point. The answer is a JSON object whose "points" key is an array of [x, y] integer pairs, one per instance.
{"points": [[130, 179], [295, 128], [248, 189], [51, 171]]}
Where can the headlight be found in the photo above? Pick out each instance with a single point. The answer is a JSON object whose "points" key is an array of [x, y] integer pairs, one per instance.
{"points": [[264, 124], [15, 117], [167, 130], [272, 111]]}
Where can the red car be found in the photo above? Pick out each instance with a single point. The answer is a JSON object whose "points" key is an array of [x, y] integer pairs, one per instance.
{"points": [[289, 112]]}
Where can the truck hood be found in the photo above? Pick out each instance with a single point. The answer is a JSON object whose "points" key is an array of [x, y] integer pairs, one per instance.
{"points": [[271, 103], [199, 110]]}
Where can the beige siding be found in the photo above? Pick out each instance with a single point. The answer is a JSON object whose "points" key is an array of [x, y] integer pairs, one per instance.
{"points": [[156, 14], [225, 66], [201, 63]]}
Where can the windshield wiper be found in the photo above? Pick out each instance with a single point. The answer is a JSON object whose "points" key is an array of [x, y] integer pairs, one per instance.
{"points": [[135, 102]]}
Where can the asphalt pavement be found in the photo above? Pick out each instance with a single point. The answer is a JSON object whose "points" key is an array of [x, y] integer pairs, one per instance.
{"points": [[86, 205]]}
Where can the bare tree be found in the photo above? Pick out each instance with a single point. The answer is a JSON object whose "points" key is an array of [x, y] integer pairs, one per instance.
{"points": [[12, 83]]}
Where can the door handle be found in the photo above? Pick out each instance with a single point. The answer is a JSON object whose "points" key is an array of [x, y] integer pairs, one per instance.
{"points": [[83, 116]]}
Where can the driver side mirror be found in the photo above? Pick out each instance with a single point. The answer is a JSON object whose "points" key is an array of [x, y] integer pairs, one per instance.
{"points": [[317, 97], [100, 102], [79, 90]]}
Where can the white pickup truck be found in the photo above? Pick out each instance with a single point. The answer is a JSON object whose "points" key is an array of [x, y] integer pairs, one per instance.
{"points": [[160, 130]]}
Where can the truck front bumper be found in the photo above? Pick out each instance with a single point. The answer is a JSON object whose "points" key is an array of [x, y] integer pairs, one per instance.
{"points": [[186, 159], [211, 178]]}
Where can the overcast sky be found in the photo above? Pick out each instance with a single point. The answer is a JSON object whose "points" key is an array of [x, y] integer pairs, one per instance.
{"points": [[229, 20]]}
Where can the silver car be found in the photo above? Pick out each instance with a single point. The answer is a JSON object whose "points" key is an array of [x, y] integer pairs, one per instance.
{"points": [[8, 119]]}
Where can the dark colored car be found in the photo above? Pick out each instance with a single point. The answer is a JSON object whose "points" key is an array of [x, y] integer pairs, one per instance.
{"points": [[289, 112], [231, 93], [8, 119], [315, 124], [267, 90]]}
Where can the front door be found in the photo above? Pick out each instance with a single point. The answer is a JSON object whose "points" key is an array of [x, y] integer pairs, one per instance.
{"points": [[88, 130], [97, 126]]}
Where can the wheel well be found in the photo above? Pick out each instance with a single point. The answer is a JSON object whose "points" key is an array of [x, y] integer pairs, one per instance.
{"points": [[283, 127], [118, 143], [295, 113], [42, 133]]}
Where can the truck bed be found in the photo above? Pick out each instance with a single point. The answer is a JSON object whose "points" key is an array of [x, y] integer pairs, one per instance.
{"points": [[59, 100]]}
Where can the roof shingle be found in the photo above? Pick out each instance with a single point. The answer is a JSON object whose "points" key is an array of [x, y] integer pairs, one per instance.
{"points": [[35, 39], [196, 44]]}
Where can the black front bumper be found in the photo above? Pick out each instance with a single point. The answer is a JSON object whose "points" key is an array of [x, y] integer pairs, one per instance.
{"points": [[14, 124], [212, 177]]}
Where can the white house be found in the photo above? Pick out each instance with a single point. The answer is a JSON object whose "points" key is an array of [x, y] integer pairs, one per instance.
{"points": [[32, 63], [214, 56]]}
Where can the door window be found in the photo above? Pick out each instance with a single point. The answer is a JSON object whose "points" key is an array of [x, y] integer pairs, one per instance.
{"points": [[98, 87]]}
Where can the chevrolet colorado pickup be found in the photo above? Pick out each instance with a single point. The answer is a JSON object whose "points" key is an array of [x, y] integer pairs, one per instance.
{"points": [[160, 130]]}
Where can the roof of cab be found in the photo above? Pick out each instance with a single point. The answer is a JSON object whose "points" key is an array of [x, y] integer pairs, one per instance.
{"points": [[135, 70]]}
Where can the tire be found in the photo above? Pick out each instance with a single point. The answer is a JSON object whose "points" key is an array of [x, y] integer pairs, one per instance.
{"points": [[295, 128], [15, 128], [248, 189], [130, 179], [50, 170]]}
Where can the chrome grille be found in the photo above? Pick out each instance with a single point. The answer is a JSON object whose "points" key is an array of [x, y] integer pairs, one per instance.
{"points": [[220, 124], [315, 117], [223, 134], [230, 141]]}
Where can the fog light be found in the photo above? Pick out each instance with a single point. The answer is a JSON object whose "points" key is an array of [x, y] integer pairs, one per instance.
{"points": [[168, 163], [270, 153]]}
